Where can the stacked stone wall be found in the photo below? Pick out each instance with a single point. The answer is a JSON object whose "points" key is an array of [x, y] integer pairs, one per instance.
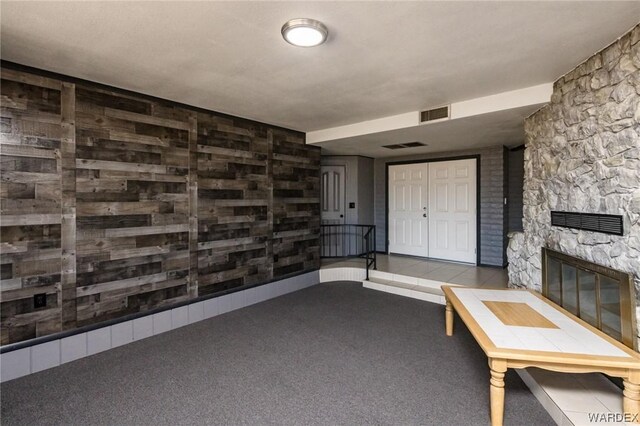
{"points": [[583, 155]]}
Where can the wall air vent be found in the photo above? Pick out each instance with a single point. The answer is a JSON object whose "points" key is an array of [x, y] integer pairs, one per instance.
{"points": [[405, 145], [434, 114], [605, 223]]}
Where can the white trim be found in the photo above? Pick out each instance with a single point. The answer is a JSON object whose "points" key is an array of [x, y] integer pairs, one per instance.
{"points": [[501, 101], [534, 95], [383, 124]]}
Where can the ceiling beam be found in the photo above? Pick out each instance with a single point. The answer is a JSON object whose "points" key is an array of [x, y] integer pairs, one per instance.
{"points": [[533, 95]]}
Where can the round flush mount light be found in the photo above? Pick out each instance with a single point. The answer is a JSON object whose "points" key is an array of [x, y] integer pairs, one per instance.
{"points": [[304, 32]]}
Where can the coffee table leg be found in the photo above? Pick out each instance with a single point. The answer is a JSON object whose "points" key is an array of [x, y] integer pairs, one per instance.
{"points": [[496, 390], [631, 401], [449, 318]]}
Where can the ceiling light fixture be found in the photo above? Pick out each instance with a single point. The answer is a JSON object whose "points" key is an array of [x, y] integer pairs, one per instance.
{"points": [[304, 32]]}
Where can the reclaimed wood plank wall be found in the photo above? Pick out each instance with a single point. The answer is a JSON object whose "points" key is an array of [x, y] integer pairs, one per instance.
{"points": [[113, 204], [31, 203]]}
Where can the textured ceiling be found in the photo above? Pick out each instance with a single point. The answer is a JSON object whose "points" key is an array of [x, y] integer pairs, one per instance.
{"points": [[381, 58]]}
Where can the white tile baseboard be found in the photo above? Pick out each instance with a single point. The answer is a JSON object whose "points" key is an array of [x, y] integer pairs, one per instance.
{"points": [[73, 347], [571, 399], [342, 274], [406, 292], [28, 360]]}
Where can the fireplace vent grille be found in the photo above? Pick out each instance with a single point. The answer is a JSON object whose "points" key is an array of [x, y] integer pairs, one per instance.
{"points": [[606, 223]]}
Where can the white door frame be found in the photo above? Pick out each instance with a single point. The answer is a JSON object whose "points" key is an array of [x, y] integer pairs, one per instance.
{"points": [[465, 157]]}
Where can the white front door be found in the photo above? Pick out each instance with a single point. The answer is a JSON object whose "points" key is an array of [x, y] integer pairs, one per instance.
{"points": [[432, 210], [408, 222], [452, 210], [332, 194]]}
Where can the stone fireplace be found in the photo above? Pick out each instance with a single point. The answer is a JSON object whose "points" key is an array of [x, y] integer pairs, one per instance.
{"points": [[583, 155]]}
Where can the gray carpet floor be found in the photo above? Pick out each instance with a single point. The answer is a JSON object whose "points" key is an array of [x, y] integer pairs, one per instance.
{"points": [[334, 354]]}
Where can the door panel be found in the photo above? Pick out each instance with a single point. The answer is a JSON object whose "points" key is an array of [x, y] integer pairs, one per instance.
{"points": [[332, 194], [462, 236], [453, 210], [462, 171], [408, 226], [442, 234], [462, 197], [442, 172], [441, 197]]}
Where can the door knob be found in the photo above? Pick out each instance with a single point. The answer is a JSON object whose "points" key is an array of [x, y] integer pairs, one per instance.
{"points": [[424, 215], [341, 215]]}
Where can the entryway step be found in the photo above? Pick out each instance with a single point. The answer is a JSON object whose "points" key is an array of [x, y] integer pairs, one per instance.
{"points": [[424, 290]]}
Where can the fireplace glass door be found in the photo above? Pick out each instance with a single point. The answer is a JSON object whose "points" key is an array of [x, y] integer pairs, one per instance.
{"points": [[601, 296], [588, 297], [610, 307]]}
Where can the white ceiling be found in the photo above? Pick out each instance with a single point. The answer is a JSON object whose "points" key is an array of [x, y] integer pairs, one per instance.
{"points": [[382, 58]]}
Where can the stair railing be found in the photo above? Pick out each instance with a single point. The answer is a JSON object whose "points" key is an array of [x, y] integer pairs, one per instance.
{"points": [[349, 241]]}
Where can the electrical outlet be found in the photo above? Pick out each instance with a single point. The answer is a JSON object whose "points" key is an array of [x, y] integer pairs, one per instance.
{"points": [[40, 300]]}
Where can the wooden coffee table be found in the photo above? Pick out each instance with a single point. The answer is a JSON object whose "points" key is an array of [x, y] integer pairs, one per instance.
{"points": [[520, 328]]}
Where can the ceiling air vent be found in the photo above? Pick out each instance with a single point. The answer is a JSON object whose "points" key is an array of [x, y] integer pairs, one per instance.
{"points": [[413, 144], [434, 114], [405, 145], [606, 223]]}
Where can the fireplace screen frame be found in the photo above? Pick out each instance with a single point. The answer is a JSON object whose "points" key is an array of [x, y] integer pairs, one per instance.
{"points": [[626, 291]]}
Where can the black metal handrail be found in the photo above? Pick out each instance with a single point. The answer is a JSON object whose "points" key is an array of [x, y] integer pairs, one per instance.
{"points": [[346, 240]]}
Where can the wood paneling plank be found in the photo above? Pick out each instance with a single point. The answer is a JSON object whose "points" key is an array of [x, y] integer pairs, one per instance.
{"points": [[136, 138], [115, 208], [120, 166], [28, 151], [146, 230], [143, 118], [225, 243], [193, 206], [28, 293], [143, 251], [30, 79], [20, 320], [233, 153], [120, 284], [28, 177], [13, 247], [30, 219]]}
